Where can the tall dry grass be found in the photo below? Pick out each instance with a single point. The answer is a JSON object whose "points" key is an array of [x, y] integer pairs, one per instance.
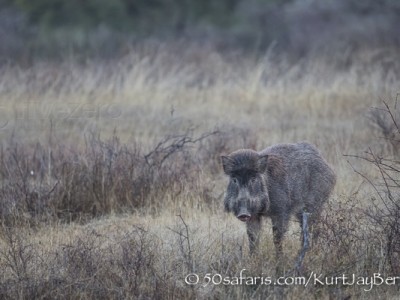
{"points": [[110, 178]]}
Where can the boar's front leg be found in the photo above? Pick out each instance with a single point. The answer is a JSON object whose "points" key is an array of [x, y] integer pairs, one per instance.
{"points": [[253, 232], [279, 227]]}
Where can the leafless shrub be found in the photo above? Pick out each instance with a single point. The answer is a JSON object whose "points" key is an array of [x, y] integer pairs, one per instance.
{"points": [[19, 261], [384, 209], [341, 234], [17, 254], [22, 189], [54, 182], [89, 265], [170, 164], [386, 121], [185, 243]]}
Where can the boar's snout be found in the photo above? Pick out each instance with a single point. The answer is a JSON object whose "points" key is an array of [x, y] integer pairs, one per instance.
{"points": [[244, 217], [244, 214]]}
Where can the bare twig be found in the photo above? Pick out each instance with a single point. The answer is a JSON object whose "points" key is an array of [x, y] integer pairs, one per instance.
{"points": [[184, 237]]}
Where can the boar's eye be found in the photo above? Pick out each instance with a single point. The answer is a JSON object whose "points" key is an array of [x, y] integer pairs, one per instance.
{"points": [[235, 180]]}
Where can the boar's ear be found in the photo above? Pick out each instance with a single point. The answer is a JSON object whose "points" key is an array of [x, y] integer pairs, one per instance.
{"points": [[262, 163], [226, 164]]}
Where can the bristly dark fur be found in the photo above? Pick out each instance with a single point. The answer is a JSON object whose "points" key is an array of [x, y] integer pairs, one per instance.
{"points": [[282, 180]]}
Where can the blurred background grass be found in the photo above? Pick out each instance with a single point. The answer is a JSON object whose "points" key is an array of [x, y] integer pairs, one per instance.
{"points": [[107, 29]]}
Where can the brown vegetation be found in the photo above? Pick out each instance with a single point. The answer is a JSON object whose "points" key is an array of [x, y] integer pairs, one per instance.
{"points": [[111, 187]]}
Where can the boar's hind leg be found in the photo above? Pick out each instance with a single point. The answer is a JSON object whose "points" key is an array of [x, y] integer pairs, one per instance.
{"points": [[253, 232], [305, 243], [313, 227]]}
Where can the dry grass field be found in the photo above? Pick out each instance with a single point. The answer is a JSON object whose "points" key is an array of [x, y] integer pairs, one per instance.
{"points": [[111, 185]]}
